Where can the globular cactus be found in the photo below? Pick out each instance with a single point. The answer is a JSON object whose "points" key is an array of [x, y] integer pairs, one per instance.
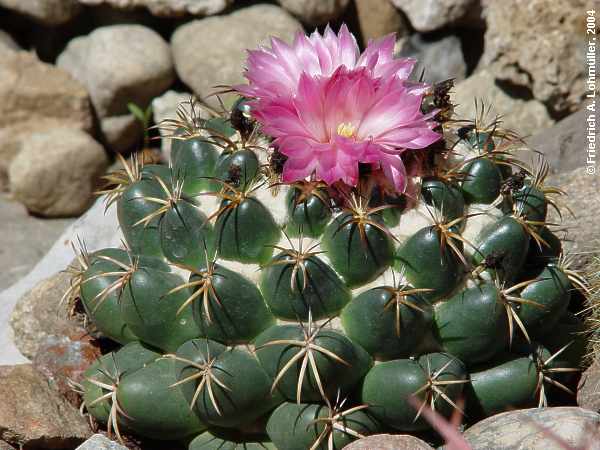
{"points": [[262, 308]]}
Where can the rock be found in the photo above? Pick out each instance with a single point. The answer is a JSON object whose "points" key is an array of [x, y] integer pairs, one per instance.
{"points": [[33, 414], [389, 442], [588, 391], [35, 96], [212, 51], [168, 8], [165, 107], [100, 442], [39, 315], [563, 144], [429, 15], [529, 429], [524, 116], [24, 240], [120, 133], [376, 18], [315, 12], [6, 446], [440, 58], [119, 64], [64, 359], [56, 173], [582, 199], [553, 67], [7, 43], [97, 228], [46, 12]]}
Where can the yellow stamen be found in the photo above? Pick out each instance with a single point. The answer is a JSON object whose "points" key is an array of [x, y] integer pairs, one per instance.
{"points": [[346, 129]]}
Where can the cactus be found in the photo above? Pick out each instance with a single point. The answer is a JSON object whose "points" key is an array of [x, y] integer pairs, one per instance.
{"points": [[261, 312]]}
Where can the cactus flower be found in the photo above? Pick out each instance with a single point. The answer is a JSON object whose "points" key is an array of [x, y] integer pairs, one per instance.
{"points": [[329, 108]]}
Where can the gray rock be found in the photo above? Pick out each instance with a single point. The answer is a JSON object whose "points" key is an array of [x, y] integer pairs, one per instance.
{"points": [[168, 8], [39, 314], [24, 240], [34, 414], [7, 43], [120, 133], [524, 116], [530, 429], [6, 446], [56, 173], [212, 51], [119, 64], [588, 391], [377, 18], [389, 442], [583, 235], [441, 59], [47, 12], [35, 96], [97, 228], [553, 67], [165, 107], [429, 15], [315, 12], [100, 442], [564, 143]]}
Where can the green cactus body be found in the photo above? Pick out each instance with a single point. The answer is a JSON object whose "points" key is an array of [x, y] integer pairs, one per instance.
{"points": [[506, 241], [153, 406], [482, 183], [340, 365], [133, 206], [388, 387], [295, 427], [502, 386], [291, 296], [245, 231], [428, 263], [256, 312], [447, 198], [386, 323], [151, 310], [186, 237], [472, 325], [551, 293], [194, 160], [235, 311]]}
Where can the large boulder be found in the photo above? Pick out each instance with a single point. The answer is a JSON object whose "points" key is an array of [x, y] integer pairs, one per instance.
{"points": [[39, 314], [56, 173], [47, 12], [523, 116], [376, 18], [389, 442], [24, 240], [583, 235], [563, 144], [535, 429], [315, 12], [212, 51], [34, 414], [539, 45], [429, 15], [119, 64], [168, 8], [438, 59], [35, 96]]}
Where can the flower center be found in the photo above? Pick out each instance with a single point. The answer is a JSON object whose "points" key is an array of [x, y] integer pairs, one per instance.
{"points": [[346, 129]]}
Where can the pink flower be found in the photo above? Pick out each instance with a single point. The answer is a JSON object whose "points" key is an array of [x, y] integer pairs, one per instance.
{"points": [[330, 108]]}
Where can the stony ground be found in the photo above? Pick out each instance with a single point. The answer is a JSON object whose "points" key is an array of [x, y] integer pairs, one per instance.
{"points": [[24, 240]]}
